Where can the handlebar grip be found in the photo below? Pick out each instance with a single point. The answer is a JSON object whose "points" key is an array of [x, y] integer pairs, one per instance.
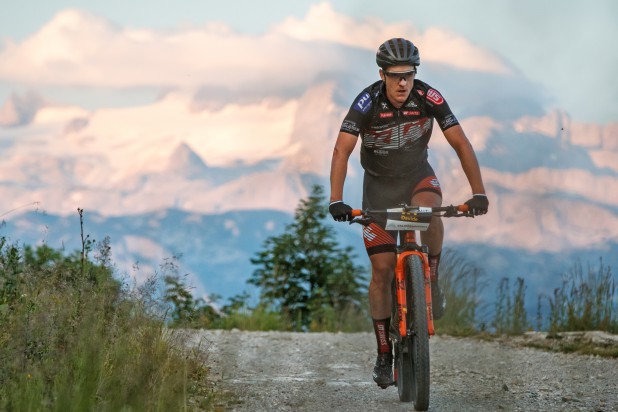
{"points": [[357, 212], [463, 208]]}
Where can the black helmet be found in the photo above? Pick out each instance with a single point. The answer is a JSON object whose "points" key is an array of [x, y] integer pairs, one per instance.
{"points": [[397, 52]]}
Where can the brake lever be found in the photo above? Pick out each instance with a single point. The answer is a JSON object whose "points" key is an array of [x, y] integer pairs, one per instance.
{"points": [[365, 221], [453, 212]]}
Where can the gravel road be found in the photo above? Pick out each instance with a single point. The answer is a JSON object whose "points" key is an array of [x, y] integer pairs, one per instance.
{"points": [[282, 371]]}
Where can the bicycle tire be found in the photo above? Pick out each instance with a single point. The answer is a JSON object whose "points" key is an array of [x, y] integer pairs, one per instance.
{"points": [[403, 359], [413, 360]]}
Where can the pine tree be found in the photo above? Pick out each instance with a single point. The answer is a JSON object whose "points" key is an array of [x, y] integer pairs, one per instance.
{"points": [[305, 273]]}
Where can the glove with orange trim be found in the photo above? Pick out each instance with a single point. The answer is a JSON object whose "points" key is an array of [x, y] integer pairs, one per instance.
{"points": [[340, 211], [478, 205]]}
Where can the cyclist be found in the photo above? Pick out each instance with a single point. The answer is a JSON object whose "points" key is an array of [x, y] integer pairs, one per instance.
{"points": [[394, 118]]}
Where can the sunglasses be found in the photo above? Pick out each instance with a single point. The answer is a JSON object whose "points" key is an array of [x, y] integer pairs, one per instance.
{"points": [[400, 75]]}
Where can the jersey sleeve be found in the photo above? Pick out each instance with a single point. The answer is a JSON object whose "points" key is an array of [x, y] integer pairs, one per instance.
{"points": [[358, 115], [439, 108]]}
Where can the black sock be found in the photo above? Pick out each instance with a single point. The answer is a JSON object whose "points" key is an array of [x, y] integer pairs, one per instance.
{"points": [[434, 262], [381, 328]]}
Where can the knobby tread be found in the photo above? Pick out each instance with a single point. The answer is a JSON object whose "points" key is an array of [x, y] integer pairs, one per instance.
{"points": [[420, 339]]}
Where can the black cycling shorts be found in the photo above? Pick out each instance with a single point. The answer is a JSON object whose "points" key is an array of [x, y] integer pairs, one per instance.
{"points": [[389, 192]]}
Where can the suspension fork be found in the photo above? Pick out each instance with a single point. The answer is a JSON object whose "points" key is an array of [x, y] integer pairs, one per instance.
{"points": [[430, 328], [400, 291]]}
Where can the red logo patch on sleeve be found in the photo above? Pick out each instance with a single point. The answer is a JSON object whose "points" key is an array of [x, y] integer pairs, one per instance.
{"points": [[434, 97]]}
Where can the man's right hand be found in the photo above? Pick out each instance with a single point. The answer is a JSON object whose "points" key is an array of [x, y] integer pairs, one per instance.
{"points": [[340, 211]]}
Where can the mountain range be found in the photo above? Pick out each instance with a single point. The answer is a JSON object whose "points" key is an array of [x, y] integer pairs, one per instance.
{"points": [[207, 184]]}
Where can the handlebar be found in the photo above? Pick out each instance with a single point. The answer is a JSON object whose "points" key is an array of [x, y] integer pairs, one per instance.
{"points": [[447, 211]]}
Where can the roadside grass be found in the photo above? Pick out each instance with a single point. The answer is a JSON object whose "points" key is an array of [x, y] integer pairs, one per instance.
{"points": [[351, 318], [256, 319], [462, 285], [72, 337], [585, 301], [263, 318]]}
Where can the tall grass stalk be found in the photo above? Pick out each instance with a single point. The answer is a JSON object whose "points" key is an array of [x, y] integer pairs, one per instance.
{"points": [[510, 314]]}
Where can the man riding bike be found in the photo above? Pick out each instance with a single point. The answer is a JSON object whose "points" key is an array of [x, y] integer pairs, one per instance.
{"points": [[394, 118]]}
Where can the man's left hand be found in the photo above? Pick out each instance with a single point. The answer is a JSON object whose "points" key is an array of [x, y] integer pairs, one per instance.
{"points": [[478, 205]]}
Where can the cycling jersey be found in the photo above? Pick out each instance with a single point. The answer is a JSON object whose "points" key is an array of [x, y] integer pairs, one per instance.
{"points": [[394, 141]]}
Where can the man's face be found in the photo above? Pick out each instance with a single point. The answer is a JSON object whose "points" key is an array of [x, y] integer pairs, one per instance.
{"points": [[399, 81]]}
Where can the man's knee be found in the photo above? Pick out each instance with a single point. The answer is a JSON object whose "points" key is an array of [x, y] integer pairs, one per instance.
{"points": [[382, 268], [427, 198]]}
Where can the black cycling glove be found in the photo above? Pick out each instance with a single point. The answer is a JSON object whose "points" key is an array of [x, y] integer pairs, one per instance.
{"points": [[340, 211], [478, 204]]}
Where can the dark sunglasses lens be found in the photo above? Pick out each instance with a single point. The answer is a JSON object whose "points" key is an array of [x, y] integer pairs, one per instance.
{"points": [[401, 75]]}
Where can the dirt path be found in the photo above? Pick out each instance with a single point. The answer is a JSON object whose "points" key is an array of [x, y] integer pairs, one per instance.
{"points": [[280, 371]]}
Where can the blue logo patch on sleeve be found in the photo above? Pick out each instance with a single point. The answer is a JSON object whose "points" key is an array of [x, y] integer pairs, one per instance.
{"points": [[363, 103]]}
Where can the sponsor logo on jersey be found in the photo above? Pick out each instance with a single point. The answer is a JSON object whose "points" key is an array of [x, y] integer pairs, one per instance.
{"points": [[384, 106], [363, 103], [420, 92], [434, 97], [385, 115], [448, 121], [350, 127], [411, 112], [411, 104], [380, 152]]}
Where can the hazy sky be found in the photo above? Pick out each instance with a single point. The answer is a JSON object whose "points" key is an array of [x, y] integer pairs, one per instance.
{"points": [[566, 47]]}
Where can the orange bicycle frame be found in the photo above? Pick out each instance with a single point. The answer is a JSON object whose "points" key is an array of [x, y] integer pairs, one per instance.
{"points": [[400, 269]]}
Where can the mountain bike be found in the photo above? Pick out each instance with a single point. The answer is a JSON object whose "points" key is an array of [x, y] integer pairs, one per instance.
{"points": [[412, 318]]}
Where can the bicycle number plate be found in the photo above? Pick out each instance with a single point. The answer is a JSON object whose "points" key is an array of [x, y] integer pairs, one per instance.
{"points": [[400, 219]]}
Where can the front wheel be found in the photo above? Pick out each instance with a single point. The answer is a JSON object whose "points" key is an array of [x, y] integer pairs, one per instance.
{"points": [[412, 352]]}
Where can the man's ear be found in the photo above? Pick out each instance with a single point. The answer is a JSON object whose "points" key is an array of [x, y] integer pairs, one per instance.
{"points": [[382, 75]]}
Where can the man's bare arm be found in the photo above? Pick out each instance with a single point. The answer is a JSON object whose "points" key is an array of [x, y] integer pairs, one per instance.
{"points": [[469, 163], [339, 165]]}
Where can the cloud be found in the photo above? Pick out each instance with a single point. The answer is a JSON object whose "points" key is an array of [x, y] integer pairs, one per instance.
{"points": [[435, 45], [77, 48]]}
